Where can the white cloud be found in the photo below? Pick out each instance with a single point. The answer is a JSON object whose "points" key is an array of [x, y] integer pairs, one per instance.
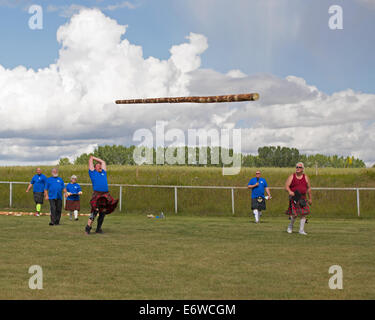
{"points": [[68, 108]]}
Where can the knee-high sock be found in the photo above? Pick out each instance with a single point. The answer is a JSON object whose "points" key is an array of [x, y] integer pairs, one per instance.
{"points": [[38, 207], [292, 219], [256, 215], [302, 224], [100, 221], [75, 214]]}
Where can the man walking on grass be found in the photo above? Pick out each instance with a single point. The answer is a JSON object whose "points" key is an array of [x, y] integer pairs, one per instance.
{"points": [[102, 202], [38, 183], [53, 192], [258, 202]]}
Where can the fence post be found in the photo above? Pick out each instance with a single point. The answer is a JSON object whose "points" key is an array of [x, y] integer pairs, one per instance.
{"points": [[358, 206], [232, 201], [175, 200], [10, 194], [120, 199]]}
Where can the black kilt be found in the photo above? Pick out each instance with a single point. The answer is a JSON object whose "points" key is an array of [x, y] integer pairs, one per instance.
{"points": [[38, 197], [255, 204]]}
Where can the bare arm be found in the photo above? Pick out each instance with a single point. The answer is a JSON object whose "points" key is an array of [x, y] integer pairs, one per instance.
{"points": [[268, 192], [308, 189], [46, 194], [29, 187], [91, 163], [251, 186], [102, 162], [287, 185]]}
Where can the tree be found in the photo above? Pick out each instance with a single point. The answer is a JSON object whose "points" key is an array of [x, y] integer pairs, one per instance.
{"points": [[64, 162]]}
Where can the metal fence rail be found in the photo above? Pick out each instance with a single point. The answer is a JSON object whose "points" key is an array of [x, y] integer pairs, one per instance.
{"points": [[175, 188]]}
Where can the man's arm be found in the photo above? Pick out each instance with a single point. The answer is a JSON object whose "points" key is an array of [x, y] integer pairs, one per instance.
{"points": [[46, 194], [91, 163], [102, 162], [252, 186], [268, 192], [287, 185], [29, 187], [308, 189]]}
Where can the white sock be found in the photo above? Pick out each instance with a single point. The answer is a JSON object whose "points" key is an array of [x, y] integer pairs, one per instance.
{"points": [[256, 215], [75, 214], [292, 219], [302, 224]]}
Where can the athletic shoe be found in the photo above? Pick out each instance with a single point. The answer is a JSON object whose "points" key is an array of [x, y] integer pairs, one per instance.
{"points": [[51, 224], [99, 231], [37, 214], [76, 219], [303, 232], [290, 230]]}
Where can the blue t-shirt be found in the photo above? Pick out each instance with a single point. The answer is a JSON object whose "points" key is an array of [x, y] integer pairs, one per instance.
{"points": [[99, 180], [73, 188], [55, 186], [259, 190], [38, 182]]}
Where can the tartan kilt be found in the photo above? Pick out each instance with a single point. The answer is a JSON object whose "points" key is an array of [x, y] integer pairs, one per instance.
{"points": [[102, 202], [38, 197], [296, 210], [72, 205], [255, 205]]}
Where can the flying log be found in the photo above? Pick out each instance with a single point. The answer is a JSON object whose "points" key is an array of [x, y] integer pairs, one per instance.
{"points": [[210, 99]]}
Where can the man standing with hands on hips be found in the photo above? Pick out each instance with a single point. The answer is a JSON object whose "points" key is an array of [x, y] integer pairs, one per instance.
{"points": [[258, 201]]}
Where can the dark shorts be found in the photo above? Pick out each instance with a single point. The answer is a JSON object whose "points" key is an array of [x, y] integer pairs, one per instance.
{"points": [[255, 204], [38, 197], [72, 205]]}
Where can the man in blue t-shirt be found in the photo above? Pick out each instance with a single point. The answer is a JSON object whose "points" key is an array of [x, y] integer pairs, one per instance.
{"points": [[53, 192], [102, 202], [258, 185], [37, 183]]}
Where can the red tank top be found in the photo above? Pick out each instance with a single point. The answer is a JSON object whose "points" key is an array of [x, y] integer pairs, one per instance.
{"points": [[299, 184]]}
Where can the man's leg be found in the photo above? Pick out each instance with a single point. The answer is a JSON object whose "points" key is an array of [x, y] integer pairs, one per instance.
{"points": [[52, 204], [256, 215], [100, 222], [290, 226], [58, 210], [302, 226], [90, 222], [76, 215], [38, 207], [70, 215]]}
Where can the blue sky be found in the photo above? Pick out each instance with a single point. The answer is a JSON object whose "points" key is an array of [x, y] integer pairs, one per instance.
{"points": [[281, 38], [316, 84]]}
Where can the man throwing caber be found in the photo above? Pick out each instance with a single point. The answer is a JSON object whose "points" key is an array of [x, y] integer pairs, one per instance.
{"points": [[38, 182], [258, 202], [102, 202]]}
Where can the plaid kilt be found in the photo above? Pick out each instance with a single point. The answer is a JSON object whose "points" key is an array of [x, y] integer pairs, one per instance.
{"points": [[103, 202], [255, 204], [296, 210], [38, 197]]}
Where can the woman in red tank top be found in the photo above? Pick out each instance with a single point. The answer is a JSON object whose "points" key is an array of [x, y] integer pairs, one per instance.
{"points": [[298, 185]]}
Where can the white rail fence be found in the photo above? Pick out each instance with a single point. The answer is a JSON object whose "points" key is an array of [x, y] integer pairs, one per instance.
{"points": [[121, 186]]}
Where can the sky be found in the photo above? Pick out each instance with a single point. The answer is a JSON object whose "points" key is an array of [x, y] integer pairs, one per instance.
{"points": [[316, 85]]}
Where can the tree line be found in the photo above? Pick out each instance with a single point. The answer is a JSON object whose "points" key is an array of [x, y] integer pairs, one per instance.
{"points": [[268, 156]]}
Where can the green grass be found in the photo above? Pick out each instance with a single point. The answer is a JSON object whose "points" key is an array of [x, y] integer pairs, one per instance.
{"points": [[338, 204], [186, 257]]}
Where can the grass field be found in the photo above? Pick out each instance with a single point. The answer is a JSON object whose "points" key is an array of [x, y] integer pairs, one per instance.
{"points": [[187, 257], [334, 204]]}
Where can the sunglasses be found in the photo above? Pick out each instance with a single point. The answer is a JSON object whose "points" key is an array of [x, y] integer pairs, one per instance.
{"points": [[257, 172], [299, 167]]}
